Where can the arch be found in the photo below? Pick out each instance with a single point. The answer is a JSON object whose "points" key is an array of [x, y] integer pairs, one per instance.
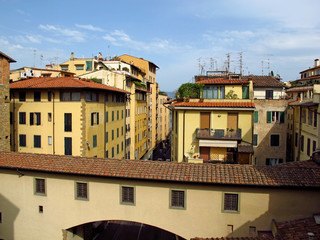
{"points": [[118, 230]]}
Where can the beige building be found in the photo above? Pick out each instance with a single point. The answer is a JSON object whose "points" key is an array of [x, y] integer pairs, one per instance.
{"points": [[30, 72], [5, 101], [61, 197], [67, 116]]}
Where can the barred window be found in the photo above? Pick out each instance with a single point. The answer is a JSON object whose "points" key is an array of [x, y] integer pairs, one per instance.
{"points": [[40, 186], [177, 199], [82, 190], [231, 202], [127, 195]]}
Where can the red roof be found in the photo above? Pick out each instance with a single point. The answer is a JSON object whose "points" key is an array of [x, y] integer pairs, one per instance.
{"points": [[60, 82], [222, 81], [227, 174], [215, 104]]}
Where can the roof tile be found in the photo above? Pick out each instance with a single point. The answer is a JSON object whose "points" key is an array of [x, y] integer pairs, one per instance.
{"points": [[215, 104]]}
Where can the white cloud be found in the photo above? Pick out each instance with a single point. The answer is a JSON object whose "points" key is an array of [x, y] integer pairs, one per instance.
{"points": [[72, 35], [89, 27]]}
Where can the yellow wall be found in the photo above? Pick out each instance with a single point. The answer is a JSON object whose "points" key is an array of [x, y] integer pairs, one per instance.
{"points": [[82, 132], [202, 217], [72, 63], [141, 128]]}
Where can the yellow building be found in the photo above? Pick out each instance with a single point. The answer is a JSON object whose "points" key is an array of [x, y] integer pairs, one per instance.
{"points": [[149, 69], [30, 72], [68, 198], [67, 116], [216, 127]]}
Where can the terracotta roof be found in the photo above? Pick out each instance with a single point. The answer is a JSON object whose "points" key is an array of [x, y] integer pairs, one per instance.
{"points": [[60, 82], [298, 229], [265, 81], [227, 174], [215, 104], [223, 81], [7, 57], [300, 89]]}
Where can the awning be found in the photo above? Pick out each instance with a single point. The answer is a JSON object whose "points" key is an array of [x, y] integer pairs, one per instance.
{"points": [[218, 143]]}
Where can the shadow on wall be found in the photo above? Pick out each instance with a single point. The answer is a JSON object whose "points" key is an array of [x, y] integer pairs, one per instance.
{"points": [[284, 205], [9, 212]]}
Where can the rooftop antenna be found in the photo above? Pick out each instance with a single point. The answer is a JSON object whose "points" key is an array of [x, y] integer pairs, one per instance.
{"points": [[41, 59], [240, 61], [34, 57], [199, 65], [262, 67], [228, 62], [211, 64], [108, 54]]}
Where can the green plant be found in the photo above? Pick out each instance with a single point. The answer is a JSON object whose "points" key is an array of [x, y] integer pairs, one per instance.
{"points": [[163, 93], [139, 84], [125, 69], [97, 80], [191, 90], [231, 95]]}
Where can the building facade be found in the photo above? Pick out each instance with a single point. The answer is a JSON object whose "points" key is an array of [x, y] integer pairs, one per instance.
{"points": [[5, 101], [67, 116]]}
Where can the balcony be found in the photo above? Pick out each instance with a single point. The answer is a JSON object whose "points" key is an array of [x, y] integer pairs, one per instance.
{"points": [[218, 134]]}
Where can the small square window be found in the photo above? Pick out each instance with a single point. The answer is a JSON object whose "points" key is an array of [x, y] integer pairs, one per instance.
{"points": [[127, 195], [81, 191], [275, 140], [40, 186], [231, 202], [37, 96], [40, 209], [177, 199]]}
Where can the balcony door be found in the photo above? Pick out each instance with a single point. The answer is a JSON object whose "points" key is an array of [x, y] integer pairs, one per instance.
{"points": [[204, 120], [205, 153], [232, 121]]}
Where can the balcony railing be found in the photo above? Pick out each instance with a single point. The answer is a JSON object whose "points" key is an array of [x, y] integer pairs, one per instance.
{"points": [[228, 134]]}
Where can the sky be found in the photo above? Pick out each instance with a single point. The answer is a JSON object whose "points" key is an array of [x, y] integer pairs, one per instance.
{"points": [[183, 37]]}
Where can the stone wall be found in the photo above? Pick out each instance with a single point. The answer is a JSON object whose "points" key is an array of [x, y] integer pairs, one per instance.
{"points": [[4, 118]]}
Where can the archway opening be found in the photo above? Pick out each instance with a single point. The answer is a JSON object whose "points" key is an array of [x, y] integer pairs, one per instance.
{"points": [[118, 230]]}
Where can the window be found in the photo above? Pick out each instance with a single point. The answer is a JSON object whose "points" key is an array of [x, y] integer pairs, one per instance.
{"points": [[302, 143], [269, 94], [22, 96], [22, 118], [106, 97], [255, 139], [107, 117], [94, 141], [40, 186], [177, 199], [118, 115], [22, 140], [107, 154], [121, 131], [117, 132], [40, 209], [37, 141], [68, 122], [273, 161], [0, 217], [275, 140], [308, 146], [121, 146], [64, 67], [94, 118], [92, 97], [36, 116], [79, 67], [112, 152], [112, 135], [81, 191], [67, 146], [310, 117], [256, 116], [70, 96], [106, 137], [88, 65], [315, 119], [296, 140], [303, 115], [117, 148], [49, 140], [121, 114], [245, 92], [49, 96], [314, 145], [231, 202], [275, 117], [37, 96], [112, 118], [49, 117], [127, 195]]}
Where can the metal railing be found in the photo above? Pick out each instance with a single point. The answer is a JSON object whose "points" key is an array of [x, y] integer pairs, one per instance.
{"points": [[210, 133]]}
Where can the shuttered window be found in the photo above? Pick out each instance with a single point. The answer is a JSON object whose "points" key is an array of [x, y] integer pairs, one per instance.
{"points": [[68, 122], [22, 118], [256, 116], [231, 202], [22, 140], [35, 118], [127, 195], [40, 187], [67, 146], [177, 199], [37, 141], [245, 92], [81, 190]]}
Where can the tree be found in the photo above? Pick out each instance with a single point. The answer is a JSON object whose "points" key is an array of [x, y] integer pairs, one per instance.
{"points": [[189, 90]]}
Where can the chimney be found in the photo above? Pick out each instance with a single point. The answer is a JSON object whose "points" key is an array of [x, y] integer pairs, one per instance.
{"points": [[316, 62], [72, 56]]}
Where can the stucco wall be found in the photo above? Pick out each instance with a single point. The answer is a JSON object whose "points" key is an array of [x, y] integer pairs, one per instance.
{"points": [[202, 217]]}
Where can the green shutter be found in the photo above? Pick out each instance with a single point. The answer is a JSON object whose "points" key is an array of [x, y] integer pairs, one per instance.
{"points": [[245, 92], [88, 66], [281, 117], [256, 116], [268, 117]]}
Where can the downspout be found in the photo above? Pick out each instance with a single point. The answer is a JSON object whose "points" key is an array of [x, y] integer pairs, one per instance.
{"points": [[299, 136], [104, 127], [13, 122], [53, 126], [184, 124]]}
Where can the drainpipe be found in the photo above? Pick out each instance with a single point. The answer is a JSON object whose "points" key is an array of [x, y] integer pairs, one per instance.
{"points": [[13, 123], [53, 126], [184, 124], [299, 136]]}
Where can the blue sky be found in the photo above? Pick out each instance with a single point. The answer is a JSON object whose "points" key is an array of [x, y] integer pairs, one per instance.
{"points": [[282, 36]]}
